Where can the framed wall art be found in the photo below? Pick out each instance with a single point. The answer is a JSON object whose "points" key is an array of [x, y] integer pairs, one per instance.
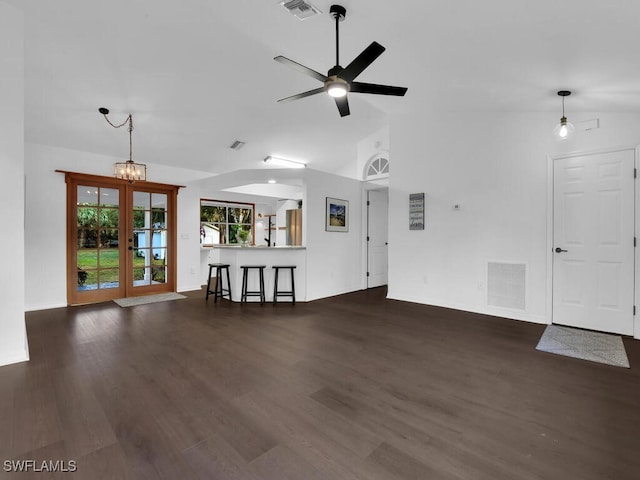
{"points": [[416, 211], [337, 215]]}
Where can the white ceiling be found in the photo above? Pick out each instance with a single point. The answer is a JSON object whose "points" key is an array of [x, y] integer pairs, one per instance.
{"points": [[199, 74]]}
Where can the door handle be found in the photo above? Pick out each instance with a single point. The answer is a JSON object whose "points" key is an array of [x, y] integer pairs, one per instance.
{"points": [[559, 250]]}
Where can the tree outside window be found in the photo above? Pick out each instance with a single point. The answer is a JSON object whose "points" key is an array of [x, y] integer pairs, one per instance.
{"points": [[225, 223]]}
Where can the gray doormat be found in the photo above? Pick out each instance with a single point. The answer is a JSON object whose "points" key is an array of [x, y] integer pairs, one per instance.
{"points": [[584, 344], [162, 297]]}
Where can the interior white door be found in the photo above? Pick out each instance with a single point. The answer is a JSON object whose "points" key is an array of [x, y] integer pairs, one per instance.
{"points": [[593, 230], [377, 235]]}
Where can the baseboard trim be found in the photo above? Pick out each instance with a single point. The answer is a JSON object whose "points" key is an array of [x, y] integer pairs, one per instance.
{"points": [[509, 314], [190, 289], [35, 308], [16, 357]]}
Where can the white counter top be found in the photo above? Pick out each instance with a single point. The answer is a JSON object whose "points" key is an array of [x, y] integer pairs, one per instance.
{"points": [[259, 247]]}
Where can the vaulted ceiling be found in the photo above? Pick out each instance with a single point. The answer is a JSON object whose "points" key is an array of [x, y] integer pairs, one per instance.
{"points": [[199, 74]]}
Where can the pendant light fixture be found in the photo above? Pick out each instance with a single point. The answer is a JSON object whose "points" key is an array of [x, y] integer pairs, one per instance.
{"points": [[564, 129], [130, 171]]}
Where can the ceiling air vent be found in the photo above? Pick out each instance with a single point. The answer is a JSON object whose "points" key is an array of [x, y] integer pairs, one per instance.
{"points": [[237, 145], [300, 8]]}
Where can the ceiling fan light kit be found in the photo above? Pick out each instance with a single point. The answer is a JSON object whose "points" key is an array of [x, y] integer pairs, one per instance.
{"points": [[339, 81], [337, 88], [564, 129]]}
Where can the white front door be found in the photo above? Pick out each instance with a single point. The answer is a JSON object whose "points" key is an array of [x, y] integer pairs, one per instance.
{"points": [[593, 250], [377, 237]]}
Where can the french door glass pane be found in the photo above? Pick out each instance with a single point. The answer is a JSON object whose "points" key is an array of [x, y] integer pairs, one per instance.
{"points": [[109, 258], [141, 277], [142, 239], [87, 216], [87, 258], [159, 201], [87, 195], [158, 239], [159, 274], [141, 201], [158, 218], [139, 256], [109, 197], [87, 238], [140, 219], [109, 217], [109, 278]]}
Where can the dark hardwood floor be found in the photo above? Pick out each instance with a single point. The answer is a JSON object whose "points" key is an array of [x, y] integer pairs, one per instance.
{"points": [[350, 387]]}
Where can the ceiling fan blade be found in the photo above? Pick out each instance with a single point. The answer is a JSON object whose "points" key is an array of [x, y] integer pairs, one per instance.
{"points": [[360, 87], [343, 105], [301, 68], [302, 95], [361, 62]]}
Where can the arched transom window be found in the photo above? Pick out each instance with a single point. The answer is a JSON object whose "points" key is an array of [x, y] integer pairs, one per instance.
{"points": [[378, 167]]}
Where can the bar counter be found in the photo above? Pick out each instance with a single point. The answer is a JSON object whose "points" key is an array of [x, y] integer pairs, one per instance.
{"points": [[236, 256]]}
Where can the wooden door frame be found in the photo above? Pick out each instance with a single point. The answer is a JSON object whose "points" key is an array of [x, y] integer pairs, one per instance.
{"points": [[73, 179], [550, 229]]}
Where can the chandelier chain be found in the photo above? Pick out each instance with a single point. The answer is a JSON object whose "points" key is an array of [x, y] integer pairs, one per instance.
{"points": [[128, 120]]}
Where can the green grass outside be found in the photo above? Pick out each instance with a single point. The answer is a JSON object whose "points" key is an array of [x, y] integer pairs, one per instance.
{"points": [[109, 266]]}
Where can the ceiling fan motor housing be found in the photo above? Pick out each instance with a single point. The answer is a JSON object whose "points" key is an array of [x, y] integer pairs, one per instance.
{"points": [[334, 71]]}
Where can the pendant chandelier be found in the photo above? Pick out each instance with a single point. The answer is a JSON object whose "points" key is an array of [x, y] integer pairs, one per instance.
{"points": [[130, 171], [564, 129]]}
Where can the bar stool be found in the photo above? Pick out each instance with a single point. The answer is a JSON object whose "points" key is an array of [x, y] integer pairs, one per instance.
{"points": [[281, 293], [252, 293], [219, 291]]}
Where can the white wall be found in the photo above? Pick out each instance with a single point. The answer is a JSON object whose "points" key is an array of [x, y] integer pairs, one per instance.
{"points": [[334, 261], [495, 166], [13, 339]]}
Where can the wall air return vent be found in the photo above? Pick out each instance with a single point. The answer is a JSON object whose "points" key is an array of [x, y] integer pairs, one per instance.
{"points": [[300, 8], [506, 285]]}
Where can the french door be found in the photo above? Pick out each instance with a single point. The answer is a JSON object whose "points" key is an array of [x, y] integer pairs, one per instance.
{"points": [[121, 239]]}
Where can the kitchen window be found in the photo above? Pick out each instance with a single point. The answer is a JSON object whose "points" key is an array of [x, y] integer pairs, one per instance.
{"points": [[226, 223]]}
